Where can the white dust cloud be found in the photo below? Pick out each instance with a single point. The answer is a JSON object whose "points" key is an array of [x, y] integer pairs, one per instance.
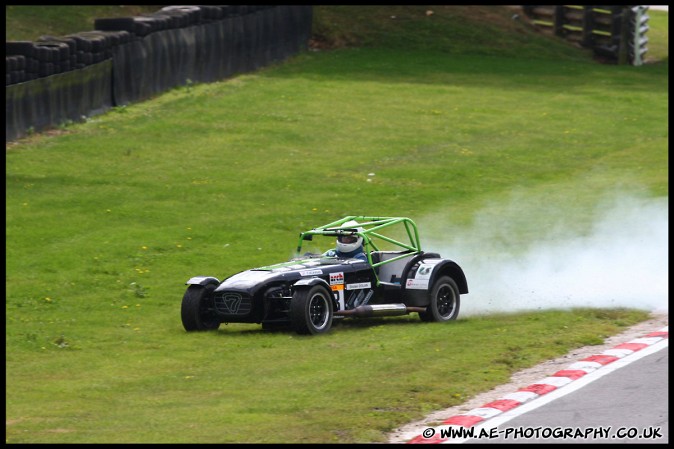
{"points": [[618, 259]]}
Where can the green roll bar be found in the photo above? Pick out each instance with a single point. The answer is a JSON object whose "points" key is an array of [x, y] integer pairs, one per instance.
{"points": [[371, 227]]}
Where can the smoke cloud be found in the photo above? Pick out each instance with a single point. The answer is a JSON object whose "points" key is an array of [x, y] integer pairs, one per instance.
{"points": [[535, 254]]}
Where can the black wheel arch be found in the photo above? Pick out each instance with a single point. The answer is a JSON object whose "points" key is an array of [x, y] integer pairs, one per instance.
{"points": [[203, 280], [444, 267], [452, 269]]}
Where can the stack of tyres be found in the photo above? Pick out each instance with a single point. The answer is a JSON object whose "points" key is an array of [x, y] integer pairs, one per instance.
{"points": [[53, 57], [169, 17], [67, 59], [192, 15], [15, 69], [93, 47], [50, 55], [21, 62], [209, 13]]}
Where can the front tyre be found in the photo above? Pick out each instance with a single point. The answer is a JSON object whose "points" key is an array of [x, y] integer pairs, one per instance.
{"points": [[196, 311], [311, 310], [445, 301]]}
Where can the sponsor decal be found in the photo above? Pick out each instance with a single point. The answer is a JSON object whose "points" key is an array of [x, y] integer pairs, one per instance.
{"points": [[298, 266], [367, 297], [337, 287], [311, 272], [417, 284], [424, 272], [358, 286], [336, 278], [358, 298]]}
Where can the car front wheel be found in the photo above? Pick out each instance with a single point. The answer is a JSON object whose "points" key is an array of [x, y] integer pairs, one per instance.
{"points": [[445, 301], [195, 311], [311, 310]]}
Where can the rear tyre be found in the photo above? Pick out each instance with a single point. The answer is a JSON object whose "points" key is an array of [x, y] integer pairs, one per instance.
{"points": [[311, 310], [196, 311], [445, 301]]}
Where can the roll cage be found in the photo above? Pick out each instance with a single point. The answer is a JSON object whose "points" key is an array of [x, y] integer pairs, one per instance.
{"points": [[371, 232]]}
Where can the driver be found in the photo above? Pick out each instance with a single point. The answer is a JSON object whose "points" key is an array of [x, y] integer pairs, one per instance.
{"points": [[349, 246]]}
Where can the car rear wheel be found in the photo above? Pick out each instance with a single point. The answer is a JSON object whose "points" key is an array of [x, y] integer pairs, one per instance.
{"points": [[445, 301], [311, 310], [195, 311]]}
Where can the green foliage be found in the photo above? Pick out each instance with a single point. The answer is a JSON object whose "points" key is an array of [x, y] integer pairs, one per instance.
{"points": [[105, 221]]}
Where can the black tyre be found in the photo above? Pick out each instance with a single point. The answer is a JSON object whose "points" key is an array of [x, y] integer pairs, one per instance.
{"points": [[445, 301], [196, 310], [311, 310]]}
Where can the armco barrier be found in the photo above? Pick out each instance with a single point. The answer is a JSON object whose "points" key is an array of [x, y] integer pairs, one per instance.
{"points": [[60, 79]]}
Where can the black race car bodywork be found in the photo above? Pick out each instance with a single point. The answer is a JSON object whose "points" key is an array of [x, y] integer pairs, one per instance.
{"points": [[310, 291]]}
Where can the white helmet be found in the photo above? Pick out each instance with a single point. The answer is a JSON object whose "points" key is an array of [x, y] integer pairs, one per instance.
{"points": [[348, 243]]}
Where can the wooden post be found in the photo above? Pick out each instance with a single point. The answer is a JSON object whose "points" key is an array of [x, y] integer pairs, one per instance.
{"points": [[558, 20], [623, 49], [588, 25]]}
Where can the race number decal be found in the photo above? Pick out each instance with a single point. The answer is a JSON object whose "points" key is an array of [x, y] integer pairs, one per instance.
{"points": [[338, 291]]}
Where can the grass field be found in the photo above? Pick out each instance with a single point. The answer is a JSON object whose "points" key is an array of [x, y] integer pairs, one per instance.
{"points": [[106, 220]]}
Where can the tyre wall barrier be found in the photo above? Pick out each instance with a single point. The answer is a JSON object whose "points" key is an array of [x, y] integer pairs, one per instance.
{"points": [[56, 80], [50, 101]]}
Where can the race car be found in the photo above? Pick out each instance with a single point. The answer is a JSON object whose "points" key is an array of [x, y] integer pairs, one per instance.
{"points": [[313, 289]]}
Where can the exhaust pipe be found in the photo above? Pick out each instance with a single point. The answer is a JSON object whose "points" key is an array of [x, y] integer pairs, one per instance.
{"points": [[380, 310]]}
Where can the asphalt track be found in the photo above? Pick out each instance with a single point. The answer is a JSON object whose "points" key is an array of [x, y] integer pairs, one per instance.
{"points": [[618, 395], [626, 405]]}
